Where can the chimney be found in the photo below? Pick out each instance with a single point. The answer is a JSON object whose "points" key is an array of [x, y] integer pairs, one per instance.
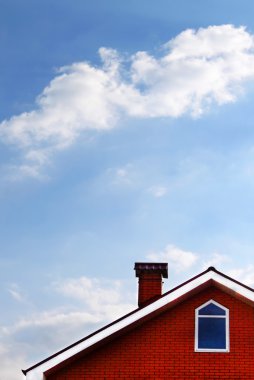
{"points": [[150, 281]]}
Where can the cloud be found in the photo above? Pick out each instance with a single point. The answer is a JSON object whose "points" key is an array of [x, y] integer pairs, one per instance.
{"points": [[244, 275], [104, 297], [216, 260], [178, 259], [86, 304], [97, 301], [11, 362], [122, 176], [196, 69], [53, 319], [158, 191], [32, 338], [16, 292]]}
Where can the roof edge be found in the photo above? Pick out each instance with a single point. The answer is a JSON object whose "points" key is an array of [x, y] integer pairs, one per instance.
{"points": [[110, 324], [148, 307]]}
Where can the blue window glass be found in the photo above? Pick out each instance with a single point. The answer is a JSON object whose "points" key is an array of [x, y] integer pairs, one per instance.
{"points": [[211, 309], [211, 333], [212, 327]]}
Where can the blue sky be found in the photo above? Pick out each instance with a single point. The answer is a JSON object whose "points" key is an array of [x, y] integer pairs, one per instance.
{"points": [[126, 134]]}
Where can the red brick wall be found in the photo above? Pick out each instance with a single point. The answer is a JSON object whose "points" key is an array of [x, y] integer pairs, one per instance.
{"points": [[150, 287], [163, 348]]}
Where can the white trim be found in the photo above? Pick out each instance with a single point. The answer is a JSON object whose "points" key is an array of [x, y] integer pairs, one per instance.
{"points": [[37, 372], [226, 317]]}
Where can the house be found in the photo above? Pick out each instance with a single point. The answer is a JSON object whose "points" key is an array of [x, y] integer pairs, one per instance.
{"points": [[202, 329]]}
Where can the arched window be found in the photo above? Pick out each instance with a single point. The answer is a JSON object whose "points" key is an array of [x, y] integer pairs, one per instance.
{"points": [[212, 328]]}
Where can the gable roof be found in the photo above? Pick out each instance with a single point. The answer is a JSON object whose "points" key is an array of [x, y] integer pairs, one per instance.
{"points": [[167, 300]]}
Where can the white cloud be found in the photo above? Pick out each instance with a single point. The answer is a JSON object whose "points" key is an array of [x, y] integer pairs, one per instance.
{"points": [[87, 304], [35, 337], [11, 362], [16, 292], [216, 260], [98, 302], [195, 71], [198, 68], [244, 275], [210, 42], [122, 175], [104, 297], [90, 290], [43, 333], [54, 319], [158, 191], [178, 259], [27, 169]]}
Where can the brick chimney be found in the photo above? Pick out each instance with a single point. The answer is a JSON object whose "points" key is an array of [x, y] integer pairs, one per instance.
{"points": [[150, 281]]}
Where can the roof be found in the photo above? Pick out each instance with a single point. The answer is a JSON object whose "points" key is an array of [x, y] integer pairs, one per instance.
{"points": [[121, 325]]}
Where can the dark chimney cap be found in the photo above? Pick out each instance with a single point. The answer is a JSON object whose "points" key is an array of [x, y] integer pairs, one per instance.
{"points": [[161, 268]]}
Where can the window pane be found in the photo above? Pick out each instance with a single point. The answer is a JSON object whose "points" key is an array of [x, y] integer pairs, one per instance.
{"points": [[212, 333], [212, 309]]}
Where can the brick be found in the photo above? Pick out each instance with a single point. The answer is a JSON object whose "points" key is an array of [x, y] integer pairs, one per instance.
{"points": [[163, 348]]}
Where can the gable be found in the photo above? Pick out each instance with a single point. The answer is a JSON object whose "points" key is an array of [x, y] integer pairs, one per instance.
{"points": [[167, 301], [160, 345]]}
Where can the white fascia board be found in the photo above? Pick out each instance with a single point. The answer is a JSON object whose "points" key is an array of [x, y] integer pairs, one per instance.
{"points": [[37, 372]]}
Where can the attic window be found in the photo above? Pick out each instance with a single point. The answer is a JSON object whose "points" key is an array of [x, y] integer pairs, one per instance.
{"points": [[212, 328]]}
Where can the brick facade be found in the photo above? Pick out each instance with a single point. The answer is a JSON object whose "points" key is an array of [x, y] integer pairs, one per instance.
{"points": [[149, 285], [163, 348]]}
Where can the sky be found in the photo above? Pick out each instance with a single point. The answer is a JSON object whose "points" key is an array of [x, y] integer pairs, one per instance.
{"points": [[126, 134]]}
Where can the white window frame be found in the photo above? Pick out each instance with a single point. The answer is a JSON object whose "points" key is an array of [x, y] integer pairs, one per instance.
{"points": [[212, 316]]}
